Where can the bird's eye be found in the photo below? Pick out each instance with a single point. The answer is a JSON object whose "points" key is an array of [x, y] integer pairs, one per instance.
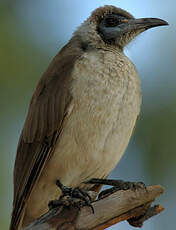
{"points": [[111, 21]]}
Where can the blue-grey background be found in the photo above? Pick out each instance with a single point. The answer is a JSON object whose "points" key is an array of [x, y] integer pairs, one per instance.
{"points": [[32, 32]]}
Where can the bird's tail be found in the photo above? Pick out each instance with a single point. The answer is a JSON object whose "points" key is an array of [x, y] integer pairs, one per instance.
{"points": [[16, 223]]}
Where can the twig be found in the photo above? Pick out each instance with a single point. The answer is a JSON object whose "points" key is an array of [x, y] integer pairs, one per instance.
{"points": [[130, 205]]}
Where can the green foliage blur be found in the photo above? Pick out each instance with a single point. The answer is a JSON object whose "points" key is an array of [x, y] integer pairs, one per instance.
{"points": [[23, 60]]}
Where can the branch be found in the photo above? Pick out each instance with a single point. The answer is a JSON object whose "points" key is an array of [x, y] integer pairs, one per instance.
{"points": [[133, 206]]}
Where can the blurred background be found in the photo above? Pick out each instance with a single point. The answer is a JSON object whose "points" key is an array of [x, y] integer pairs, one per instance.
{"points": [[32, 32]]}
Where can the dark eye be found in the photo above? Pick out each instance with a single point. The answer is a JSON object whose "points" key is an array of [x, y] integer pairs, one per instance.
{"points": [[111, 21]]}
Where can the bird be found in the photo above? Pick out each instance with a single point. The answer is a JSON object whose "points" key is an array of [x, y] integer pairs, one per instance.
{"points": [[81, 115]]}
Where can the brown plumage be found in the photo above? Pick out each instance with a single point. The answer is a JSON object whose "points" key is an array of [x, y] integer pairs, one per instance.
{"points": [[85, 105], [43, 124]]}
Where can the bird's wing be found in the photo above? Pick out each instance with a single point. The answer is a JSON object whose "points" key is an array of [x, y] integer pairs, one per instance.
{"points": [[43, 124]]}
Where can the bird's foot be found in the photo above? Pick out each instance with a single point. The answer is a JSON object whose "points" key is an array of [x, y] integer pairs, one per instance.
{"points": [[117, 185], [71, 197]]}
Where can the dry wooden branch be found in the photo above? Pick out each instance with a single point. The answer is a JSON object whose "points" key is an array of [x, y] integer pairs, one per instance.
{"points": [[133, 206]]}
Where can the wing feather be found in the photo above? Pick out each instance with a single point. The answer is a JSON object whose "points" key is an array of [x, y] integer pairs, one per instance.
{"points": [[47, 110]]}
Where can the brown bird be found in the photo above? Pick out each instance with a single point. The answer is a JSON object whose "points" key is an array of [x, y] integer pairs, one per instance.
{"points": [[81, 115]]}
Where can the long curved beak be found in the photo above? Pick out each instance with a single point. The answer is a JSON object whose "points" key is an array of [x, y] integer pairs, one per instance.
{"points": [[141, 23], [131, 25]]}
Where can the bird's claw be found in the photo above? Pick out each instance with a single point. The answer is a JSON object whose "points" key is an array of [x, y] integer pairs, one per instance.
{"points": [[117, 185], [72, 197]]}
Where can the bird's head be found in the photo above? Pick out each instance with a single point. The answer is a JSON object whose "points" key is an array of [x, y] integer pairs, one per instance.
{"points": [[113, 26]]}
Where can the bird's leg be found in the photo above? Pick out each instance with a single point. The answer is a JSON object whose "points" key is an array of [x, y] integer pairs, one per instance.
{"points": [[117, 185], [84, 199]]}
